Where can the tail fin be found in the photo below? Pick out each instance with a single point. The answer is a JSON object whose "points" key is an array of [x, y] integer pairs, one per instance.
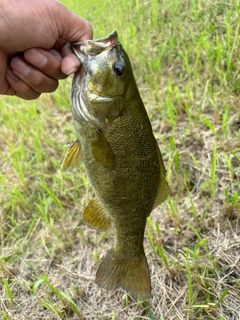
{"points": [[130, 274]]}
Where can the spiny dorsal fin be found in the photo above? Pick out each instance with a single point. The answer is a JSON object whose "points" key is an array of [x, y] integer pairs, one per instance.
{"points": [[163, 187], [72, 158], [95, 215]]}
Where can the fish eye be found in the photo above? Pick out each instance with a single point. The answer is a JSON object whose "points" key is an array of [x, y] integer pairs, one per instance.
{"points": [[118, 69]]}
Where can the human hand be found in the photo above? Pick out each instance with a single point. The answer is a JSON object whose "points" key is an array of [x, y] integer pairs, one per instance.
{"points": [[35, 47]]}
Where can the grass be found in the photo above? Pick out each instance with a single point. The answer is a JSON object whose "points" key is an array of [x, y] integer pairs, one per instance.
{"points": [[185, 56]]}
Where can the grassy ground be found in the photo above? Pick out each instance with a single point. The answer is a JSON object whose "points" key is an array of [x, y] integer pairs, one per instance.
{"points": [[186, 59]]}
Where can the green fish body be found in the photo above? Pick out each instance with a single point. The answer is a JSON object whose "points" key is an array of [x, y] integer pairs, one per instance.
{"points": [[123, 162]]}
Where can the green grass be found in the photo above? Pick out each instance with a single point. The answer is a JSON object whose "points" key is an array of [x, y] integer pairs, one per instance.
{"points": [[185, 57]]}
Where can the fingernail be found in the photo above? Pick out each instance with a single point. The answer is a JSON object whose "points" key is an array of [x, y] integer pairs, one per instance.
{"points": [[73, 70], [11, 75], [36, 58], [20, 67]]}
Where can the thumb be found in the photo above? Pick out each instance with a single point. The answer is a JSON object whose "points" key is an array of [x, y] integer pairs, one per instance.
{"points": [[71, 27]]}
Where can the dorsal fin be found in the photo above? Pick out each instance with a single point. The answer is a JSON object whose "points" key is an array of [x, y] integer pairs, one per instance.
{"points": [[163, 187]]}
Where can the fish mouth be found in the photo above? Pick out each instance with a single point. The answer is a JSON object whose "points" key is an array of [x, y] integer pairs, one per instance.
{"points": [[91, 48]]}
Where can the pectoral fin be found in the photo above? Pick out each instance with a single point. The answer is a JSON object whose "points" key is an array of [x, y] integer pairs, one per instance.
{"points": [[102, 152], [163, 187], [72, 158], [95, 215]]}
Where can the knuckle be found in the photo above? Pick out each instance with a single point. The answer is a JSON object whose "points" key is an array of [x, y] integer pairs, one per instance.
{"points": [[50, 86], [42, 83], [28, 94], [35, 79]]}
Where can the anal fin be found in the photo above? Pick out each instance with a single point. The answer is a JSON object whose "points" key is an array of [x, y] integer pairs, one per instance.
{"points": [[95, 215]]}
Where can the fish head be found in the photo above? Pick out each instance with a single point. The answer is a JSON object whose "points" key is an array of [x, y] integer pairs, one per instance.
{"points": [[106, 67]]}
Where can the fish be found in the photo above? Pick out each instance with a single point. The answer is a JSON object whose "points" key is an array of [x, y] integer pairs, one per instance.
{"points": [[121, 157]]}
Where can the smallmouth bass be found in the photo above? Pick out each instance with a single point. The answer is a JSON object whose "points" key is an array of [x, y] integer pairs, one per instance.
{"points": [[121, 157]]}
